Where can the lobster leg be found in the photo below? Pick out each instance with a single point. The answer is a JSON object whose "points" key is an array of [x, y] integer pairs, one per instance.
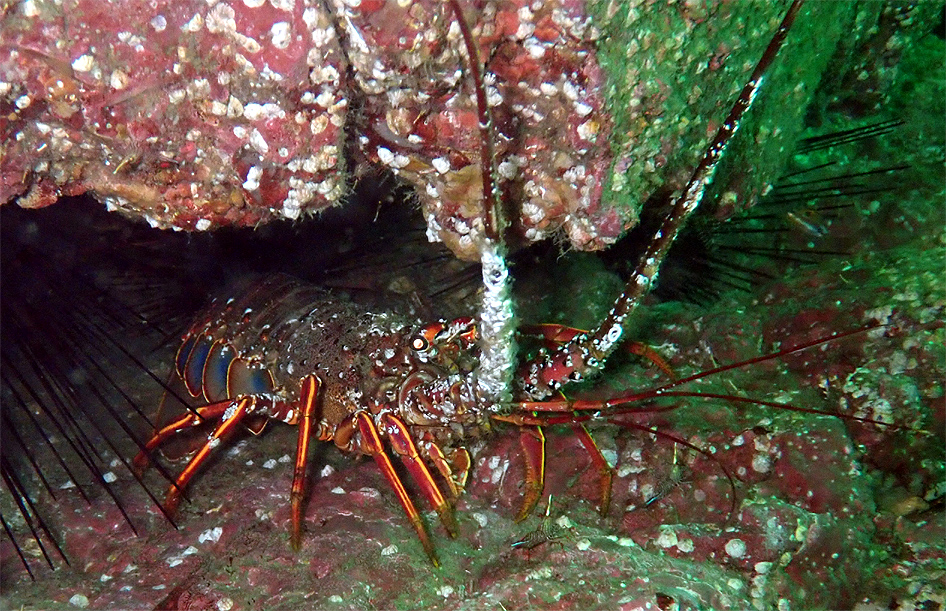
{"points": [[202, 414], [455, 469], [232, 416], [532, 442], [400, 440], [460, 463], [371, 444], [309, 399], [604, 469]]}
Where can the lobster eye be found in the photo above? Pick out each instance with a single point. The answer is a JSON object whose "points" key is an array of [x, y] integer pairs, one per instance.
{"points": [[419, 343]]}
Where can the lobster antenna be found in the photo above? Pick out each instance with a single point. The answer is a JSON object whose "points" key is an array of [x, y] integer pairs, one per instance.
{"points": [[586, 352], [497, 321], [493, 220]]}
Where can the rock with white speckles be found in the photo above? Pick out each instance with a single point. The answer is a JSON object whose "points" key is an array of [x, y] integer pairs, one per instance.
{"points": [[187, 114], [193, 115]]}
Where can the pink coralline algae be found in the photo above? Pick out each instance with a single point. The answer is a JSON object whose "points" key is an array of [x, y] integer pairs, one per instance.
{"points": [[186, 114], [196, 114], [200, 114]]}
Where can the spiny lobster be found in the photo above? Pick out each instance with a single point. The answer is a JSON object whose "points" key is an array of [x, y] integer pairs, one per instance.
{"points": [[383, 383]]}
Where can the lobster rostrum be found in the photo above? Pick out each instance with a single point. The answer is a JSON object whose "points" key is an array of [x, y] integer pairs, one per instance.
{"points": [[386, 385]]}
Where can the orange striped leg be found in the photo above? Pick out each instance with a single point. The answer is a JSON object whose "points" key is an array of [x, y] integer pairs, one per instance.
{"points": [[402, 444], [460, 462], [604, 469], [309, 401], [205, 413], [231, 418], [371, 444], [455, 469], [532, 442]]}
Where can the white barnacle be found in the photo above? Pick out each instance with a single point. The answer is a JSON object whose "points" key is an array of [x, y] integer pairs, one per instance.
{"points": [[534, 47], [324, 74], [234, 108], [508, 169], [329, 188], [83, 63], [532, 212], [320, 36], [282, 34], [400, 161], [493, 97], [252, 178], [283, 5], [385, 155], [588, 130], [441, 164], [258, 142], [118, 79], [256, 112], [221, 18], [524, 30], [612, 337], [736, 548], [318, 125], [762, 463], [194, 25], [198, 89], [250, 44]]}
